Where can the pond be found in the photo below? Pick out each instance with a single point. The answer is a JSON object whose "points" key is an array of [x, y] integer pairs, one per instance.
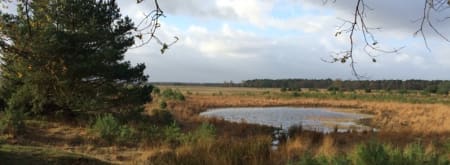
{"points": [[316, 119]]}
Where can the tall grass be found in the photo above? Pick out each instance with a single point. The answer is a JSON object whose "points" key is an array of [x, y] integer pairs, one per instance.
{"points": [[218, 152], [375, 153]]}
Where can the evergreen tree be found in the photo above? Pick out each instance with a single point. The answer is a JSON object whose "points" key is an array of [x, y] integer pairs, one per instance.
{"points": [[68, 55]]}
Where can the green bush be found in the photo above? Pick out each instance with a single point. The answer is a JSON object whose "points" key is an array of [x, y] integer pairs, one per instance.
{"points": [[126, 133], [12, 122], [170, 94], [156, 91], [108, 128], [204, 133], [172, 134], [415, 154], [163, 117], [150, 133], [370, 154], [163, 104]]}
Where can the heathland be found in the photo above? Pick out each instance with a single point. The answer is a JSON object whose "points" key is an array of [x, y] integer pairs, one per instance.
{"points": [[413, 128]]}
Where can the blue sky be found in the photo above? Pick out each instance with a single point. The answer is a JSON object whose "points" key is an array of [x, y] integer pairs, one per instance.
{"points": [[223, 40]]}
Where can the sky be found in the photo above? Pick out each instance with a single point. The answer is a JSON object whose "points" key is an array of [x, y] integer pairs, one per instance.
{"points": [[235, 40]]}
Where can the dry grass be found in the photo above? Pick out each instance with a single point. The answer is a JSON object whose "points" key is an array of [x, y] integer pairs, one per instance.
{"points": [[388, 116], [399, 124]]}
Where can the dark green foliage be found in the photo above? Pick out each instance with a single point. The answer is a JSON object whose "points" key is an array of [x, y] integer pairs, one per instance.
{"points": [[295, 130], [172, 134], [150, 133], [163, 104], [12, 122], [108, 128], [162, 117], [342, 84], [156, 91], [133, 116], [170, 94], [283, 89], [371, 153], [204, 133], [368, 90], [68, 56]]}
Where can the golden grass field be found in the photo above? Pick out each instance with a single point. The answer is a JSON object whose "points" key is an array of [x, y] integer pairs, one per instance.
{"points": [[387, 115]]}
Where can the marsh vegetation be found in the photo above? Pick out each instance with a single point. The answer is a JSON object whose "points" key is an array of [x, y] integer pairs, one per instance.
{"points": [[176, 134]]}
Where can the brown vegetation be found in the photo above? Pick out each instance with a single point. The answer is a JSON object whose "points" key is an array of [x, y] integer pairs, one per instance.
{"points": [[399, 123]]}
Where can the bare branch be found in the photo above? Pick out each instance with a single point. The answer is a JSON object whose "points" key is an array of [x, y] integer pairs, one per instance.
{"points": [[351, 27], [147, 27], [426, 21]]}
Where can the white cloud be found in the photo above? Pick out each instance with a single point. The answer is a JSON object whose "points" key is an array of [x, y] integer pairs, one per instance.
{"points": [[233, 53]]}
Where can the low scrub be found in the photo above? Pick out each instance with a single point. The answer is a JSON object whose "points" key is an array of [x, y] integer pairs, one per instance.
{"points": [[161, 117], [203, 134], [170, 94], [173, 135], [374, 153], [108, 128]]}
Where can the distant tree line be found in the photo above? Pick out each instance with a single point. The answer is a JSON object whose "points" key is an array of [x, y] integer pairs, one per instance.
{"points": [[346, 85]]}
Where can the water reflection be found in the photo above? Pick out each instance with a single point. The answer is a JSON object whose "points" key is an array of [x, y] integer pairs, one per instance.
{"points": [[315, 119]]}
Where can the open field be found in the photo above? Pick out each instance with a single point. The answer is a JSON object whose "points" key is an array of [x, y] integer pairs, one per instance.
{"points": [[404, 127]]}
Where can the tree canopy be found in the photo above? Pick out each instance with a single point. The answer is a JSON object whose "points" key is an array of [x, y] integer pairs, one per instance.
{"points": [[67, 55]]}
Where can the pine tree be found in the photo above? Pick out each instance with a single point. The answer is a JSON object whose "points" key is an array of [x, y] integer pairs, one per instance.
{"points": [[68, 55]]}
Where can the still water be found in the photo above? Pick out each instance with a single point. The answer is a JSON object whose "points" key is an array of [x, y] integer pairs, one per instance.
{"points": [[315, 119]]}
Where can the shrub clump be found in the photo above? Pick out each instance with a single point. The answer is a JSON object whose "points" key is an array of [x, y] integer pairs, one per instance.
{"points": [[163, 117], [172, 134], [204, 133], [108, 128], [170, 94]]}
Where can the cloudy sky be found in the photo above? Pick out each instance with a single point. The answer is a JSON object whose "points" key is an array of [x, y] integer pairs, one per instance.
{"points": [[223, 40]]}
